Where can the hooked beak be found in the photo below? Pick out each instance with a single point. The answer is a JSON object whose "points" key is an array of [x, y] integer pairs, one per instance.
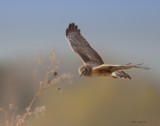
{"points": [[81, 73]]}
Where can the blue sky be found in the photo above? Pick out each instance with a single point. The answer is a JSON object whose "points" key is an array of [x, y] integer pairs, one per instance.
{"points": [[115, 28]]}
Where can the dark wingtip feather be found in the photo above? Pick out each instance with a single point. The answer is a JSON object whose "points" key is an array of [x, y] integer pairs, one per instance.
{"points": [[72, 28], [139, 66]]}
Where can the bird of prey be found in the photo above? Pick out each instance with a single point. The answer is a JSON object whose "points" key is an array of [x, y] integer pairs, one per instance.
{"points": [[93, 65]]}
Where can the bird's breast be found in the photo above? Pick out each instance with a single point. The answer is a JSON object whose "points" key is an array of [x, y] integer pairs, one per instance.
{"points": [[102, 73]]}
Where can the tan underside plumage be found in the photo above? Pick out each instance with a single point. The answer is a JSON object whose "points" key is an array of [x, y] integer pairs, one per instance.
{"points": [[114, 71]]}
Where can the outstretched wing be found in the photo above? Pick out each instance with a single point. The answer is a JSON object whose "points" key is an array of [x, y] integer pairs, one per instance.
{"points": [[113, 68], [80, 45]]}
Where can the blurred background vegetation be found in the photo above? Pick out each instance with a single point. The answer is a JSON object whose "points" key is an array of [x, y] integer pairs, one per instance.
{"points": [[121, 31]]}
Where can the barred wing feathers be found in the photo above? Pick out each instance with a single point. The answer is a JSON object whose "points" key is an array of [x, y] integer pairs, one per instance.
{"points": [[80, 46]]}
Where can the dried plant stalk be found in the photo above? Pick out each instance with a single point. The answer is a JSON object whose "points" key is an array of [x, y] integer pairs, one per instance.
{"points": [[50, 79]]}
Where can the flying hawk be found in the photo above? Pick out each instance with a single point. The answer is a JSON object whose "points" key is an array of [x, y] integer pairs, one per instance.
{"points": [[93, 64]]}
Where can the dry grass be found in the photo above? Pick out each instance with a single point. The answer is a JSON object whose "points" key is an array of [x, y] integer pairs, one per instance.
{"points": [[51, 80]]}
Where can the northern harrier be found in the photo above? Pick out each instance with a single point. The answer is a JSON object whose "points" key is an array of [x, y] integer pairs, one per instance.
{"points": [[93, 63]]}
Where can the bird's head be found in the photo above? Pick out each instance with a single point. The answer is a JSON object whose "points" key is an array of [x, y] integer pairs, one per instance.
{"points": [[84, 70]]}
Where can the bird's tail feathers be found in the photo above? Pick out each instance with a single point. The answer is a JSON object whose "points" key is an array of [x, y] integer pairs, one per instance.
{"points": [[120, 74]]}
